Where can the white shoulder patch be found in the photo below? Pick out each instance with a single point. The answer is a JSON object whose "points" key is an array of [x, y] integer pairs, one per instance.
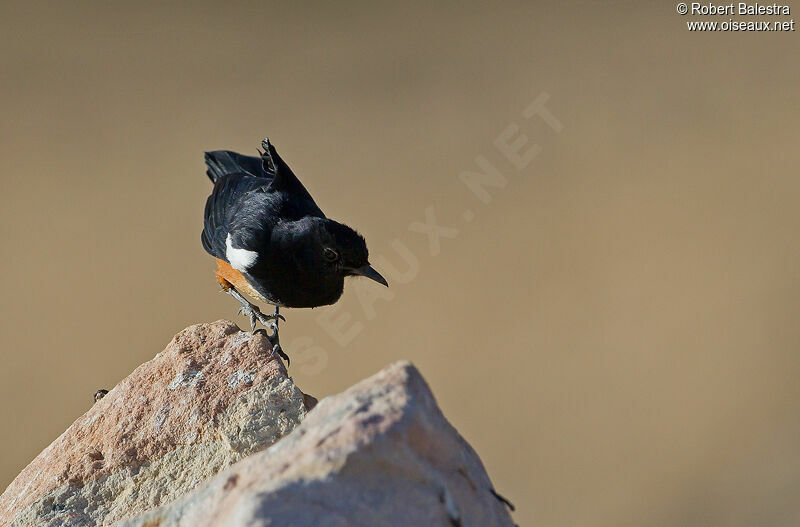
{"points": [[240, 259]]}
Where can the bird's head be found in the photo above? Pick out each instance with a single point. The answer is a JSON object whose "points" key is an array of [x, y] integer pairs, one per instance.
{"points": [[341, 251], [309, 259]]}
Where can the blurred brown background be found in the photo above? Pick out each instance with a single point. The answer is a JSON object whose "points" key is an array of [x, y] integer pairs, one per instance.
{"points": [[615, 332]]}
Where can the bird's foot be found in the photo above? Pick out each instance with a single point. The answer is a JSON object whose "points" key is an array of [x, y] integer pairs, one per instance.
{"points": [[275, 340], [255, 315], [276, 345], [277, 349]]}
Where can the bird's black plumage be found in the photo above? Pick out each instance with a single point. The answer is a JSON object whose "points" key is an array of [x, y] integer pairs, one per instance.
{"points": [[261, 219]]}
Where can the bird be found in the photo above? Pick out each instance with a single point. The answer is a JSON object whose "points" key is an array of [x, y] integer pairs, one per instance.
{"points": [[99, 394], [272, 242]]}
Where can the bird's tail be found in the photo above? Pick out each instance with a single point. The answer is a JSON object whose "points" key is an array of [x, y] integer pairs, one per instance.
{"points": [[225, 163]]}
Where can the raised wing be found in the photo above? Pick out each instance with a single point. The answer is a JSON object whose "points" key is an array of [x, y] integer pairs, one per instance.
{"points": [[284, 182], [221, 163], [251, 194], [228, 193]]}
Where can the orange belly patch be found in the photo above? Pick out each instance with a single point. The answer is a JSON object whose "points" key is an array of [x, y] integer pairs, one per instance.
{"points": [[227, 276]]}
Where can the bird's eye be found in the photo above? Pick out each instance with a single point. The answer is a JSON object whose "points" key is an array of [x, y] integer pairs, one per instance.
{"points": [[330, 254]]}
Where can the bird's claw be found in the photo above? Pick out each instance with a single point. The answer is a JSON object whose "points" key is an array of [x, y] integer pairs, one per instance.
{"points": [[255, 315], [277, 349], [250, 312], [270, 322], [276, 343], [265, 319]]}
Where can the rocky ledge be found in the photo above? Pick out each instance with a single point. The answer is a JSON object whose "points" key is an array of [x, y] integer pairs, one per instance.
{"points": [[212, 431]]}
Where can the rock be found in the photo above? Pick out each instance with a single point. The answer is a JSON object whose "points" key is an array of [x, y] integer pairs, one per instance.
{"points": [[379, 454], [213, 396]]}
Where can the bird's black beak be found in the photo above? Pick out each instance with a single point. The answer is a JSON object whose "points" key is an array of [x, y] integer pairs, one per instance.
{"points": [[370, 273]]}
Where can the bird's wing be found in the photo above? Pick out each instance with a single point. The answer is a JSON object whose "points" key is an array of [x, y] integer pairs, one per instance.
{"points": [[298, 203], [225, 200], [220, 163], [249, 194]]}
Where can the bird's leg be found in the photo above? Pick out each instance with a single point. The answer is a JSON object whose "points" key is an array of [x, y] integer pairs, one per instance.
{"points": [[255, 315], [251, 310], [276, 344]]}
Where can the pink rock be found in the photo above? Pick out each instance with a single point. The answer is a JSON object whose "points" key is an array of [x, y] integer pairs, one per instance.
{"points": [[213, 396], [209, 433], [379, 454]]}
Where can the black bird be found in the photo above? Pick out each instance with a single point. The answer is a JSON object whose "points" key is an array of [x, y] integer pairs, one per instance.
{"points": [[272, 241]]}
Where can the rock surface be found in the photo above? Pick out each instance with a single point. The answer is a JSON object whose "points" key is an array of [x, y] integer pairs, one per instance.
{"points": [[379, 454], [213, 396]]}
